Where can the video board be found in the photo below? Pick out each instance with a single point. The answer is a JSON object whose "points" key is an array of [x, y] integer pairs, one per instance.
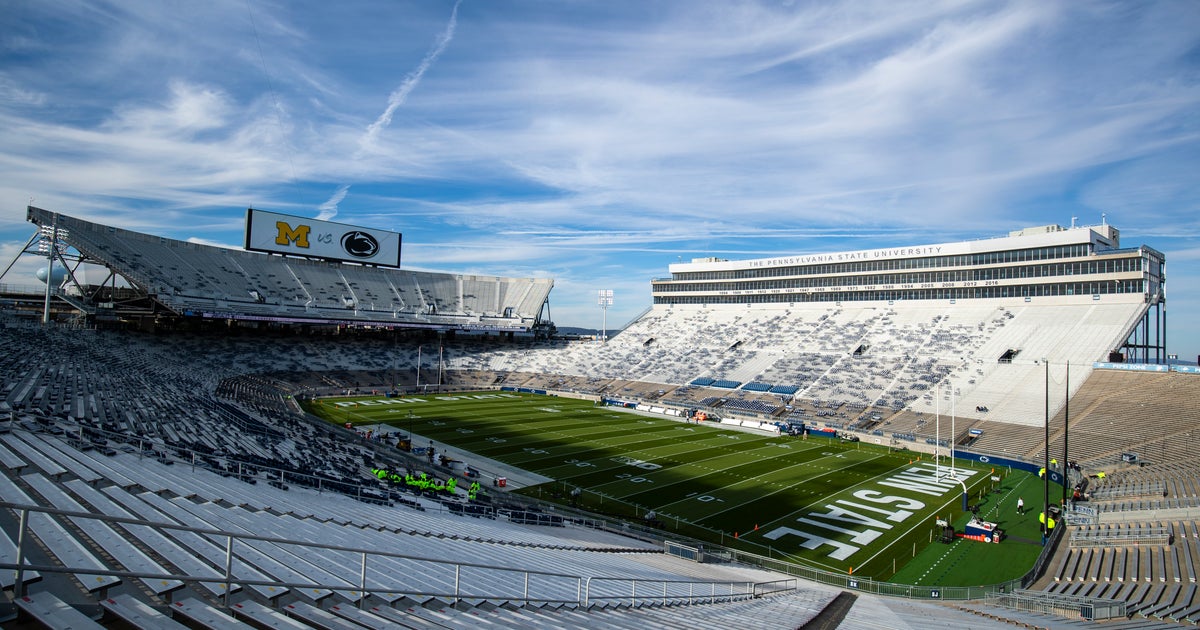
{"points": [[285, 234]]}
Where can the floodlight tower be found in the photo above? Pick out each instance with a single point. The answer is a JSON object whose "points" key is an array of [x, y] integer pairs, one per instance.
{"points": [[605, 300], [52, 246]]}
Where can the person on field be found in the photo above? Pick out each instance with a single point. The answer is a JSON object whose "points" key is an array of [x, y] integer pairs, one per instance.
{"points": [[1020, 505]]}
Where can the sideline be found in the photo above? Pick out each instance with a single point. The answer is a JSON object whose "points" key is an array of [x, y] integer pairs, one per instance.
{"points": [[488, 468]]}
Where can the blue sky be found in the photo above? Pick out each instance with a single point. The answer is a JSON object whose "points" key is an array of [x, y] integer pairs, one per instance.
{"points": [[598, 142]]}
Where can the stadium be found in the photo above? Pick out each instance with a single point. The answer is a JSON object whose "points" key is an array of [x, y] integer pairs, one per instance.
{"points": [[300, 433]]}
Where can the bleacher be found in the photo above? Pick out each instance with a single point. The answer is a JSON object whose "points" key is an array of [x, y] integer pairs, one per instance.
{"points": [[885, 357], [186, 276], [419, 563]]}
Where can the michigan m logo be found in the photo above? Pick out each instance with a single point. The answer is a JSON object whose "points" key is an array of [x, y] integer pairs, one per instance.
{"points": [[287, 234]]}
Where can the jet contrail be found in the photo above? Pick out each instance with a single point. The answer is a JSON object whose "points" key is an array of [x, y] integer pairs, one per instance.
{"points": [[400, 94], [329, 208]]}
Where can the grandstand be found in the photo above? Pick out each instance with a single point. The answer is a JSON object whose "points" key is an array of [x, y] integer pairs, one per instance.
{"points": [[906, 331], [188, 279], [133, 457]]}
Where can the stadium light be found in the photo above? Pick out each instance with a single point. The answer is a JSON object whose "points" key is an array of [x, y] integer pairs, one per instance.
{"points": [[51, 242], [605, 300]]}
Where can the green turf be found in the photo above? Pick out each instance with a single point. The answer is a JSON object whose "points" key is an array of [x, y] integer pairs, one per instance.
{"points": [[957, 564], [819, 501]]}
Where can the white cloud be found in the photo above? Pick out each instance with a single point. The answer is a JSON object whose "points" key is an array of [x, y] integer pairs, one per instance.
{"points": [[12, 93], [190, 109], [575, 138]]}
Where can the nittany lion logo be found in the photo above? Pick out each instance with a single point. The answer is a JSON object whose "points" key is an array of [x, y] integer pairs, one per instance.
{"points": [[360, 244]]}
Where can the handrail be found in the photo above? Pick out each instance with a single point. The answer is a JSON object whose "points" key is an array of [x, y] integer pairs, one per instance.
{"points": [[21, 567], [246, 536], [1149, 535], [762, 588], [1068, 606], [748, 590], [894, 589]]}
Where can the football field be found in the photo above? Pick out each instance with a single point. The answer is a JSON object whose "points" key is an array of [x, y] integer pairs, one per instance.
{"points": [[839, 506]]}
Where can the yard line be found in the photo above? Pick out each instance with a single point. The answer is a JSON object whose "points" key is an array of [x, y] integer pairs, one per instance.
{"points": [[919, 522], [695, 478], [807, 480], [832, 497]]}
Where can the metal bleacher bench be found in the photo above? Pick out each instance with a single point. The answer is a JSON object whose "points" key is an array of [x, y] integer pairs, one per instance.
{"points": [[264, 616], [206, 615], [1104, 537], [1129, 490], [318, 617], [52, 612], [139, 614]]}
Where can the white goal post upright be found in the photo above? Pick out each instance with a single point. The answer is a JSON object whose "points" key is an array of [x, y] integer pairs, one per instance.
{"points": [[937, 430], [953, 435]]}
